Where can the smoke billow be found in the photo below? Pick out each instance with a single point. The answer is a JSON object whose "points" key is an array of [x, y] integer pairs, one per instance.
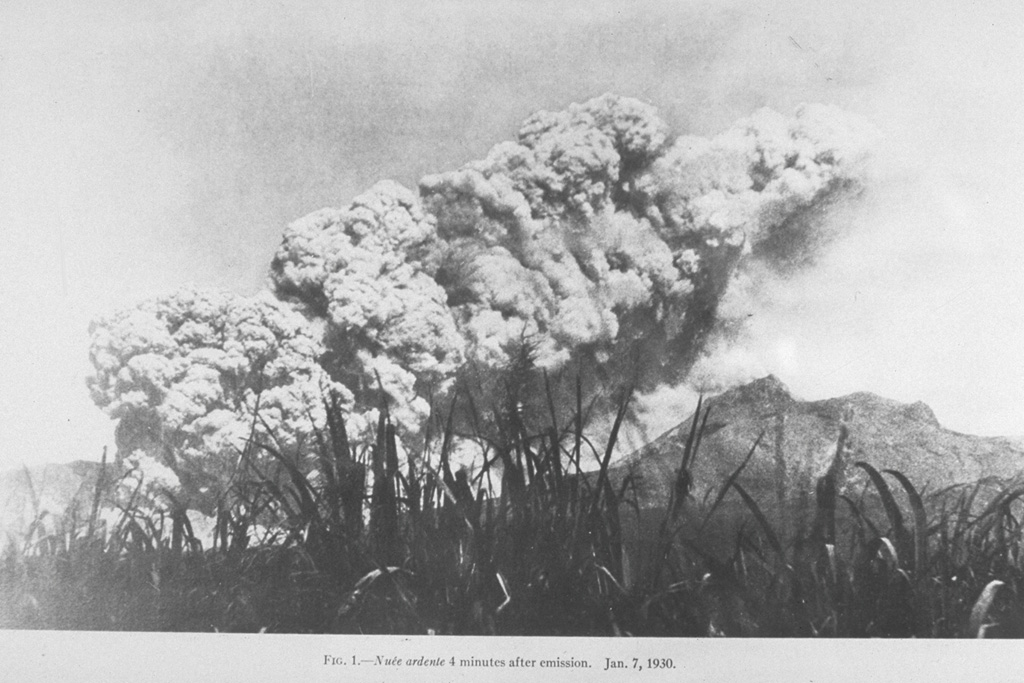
{"points": [[186, 373], [593, 239], [594, 236], [369, 273]]}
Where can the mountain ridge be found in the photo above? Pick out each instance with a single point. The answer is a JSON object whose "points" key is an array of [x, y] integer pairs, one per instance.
{"points": [[798, 444], [799, 439]]}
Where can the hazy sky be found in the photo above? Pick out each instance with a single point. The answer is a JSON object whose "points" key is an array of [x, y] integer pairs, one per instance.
{"points": [[146, 145]]}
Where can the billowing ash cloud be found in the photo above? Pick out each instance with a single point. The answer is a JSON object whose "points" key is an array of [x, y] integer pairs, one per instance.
{"points": [[369, 272], [592, 239], [539, 242], [184, 374], [592, 235]]}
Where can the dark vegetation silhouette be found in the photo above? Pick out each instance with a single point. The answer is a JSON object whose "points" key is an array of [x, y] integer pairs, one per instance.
{"points": [[538, 542]]}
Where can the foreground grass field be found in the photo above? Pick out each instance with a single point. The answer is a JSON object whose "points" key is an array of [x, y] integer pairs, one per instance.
{"points": [[357, 544]]}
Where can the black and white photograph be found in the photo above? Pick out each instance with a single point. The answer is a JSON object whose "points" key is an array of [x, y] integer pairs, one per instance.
{"points": [[517, 339]]}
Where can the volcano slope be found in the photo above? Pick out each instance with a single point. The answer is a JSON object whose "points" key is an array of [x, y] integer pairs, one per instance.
{"points": [[54, 491], [798, 444]]}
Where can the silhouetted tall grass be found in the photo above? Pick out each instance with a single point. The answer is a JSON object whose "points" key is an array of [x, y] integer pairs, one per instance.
{"points": [[345, 537]]}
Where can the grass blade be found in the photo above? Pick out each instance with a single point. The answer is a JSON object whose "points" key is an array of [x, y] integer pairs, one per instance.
{"points": [[602, 477], [100, 476], [920, 520], [688, 449], [729, 482], [826, 491], [773, 538], [976, 627], [892, 510]]}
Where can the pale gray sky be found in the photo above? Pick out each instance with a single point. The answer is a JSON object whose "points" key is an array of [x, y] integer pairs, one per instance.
{"points": [[145, 145]]}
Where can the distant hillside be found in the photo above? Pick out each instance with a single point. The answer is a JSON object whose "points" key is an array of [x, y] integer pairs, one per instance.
{"points": [[800, 440], [797, 447], [54, 488]]}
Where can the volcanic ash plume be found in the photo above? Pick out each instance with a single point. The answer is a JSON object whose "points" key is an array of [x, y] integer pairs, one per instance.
{"points": [[369, 273], [184, 374], [592, 238]]}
